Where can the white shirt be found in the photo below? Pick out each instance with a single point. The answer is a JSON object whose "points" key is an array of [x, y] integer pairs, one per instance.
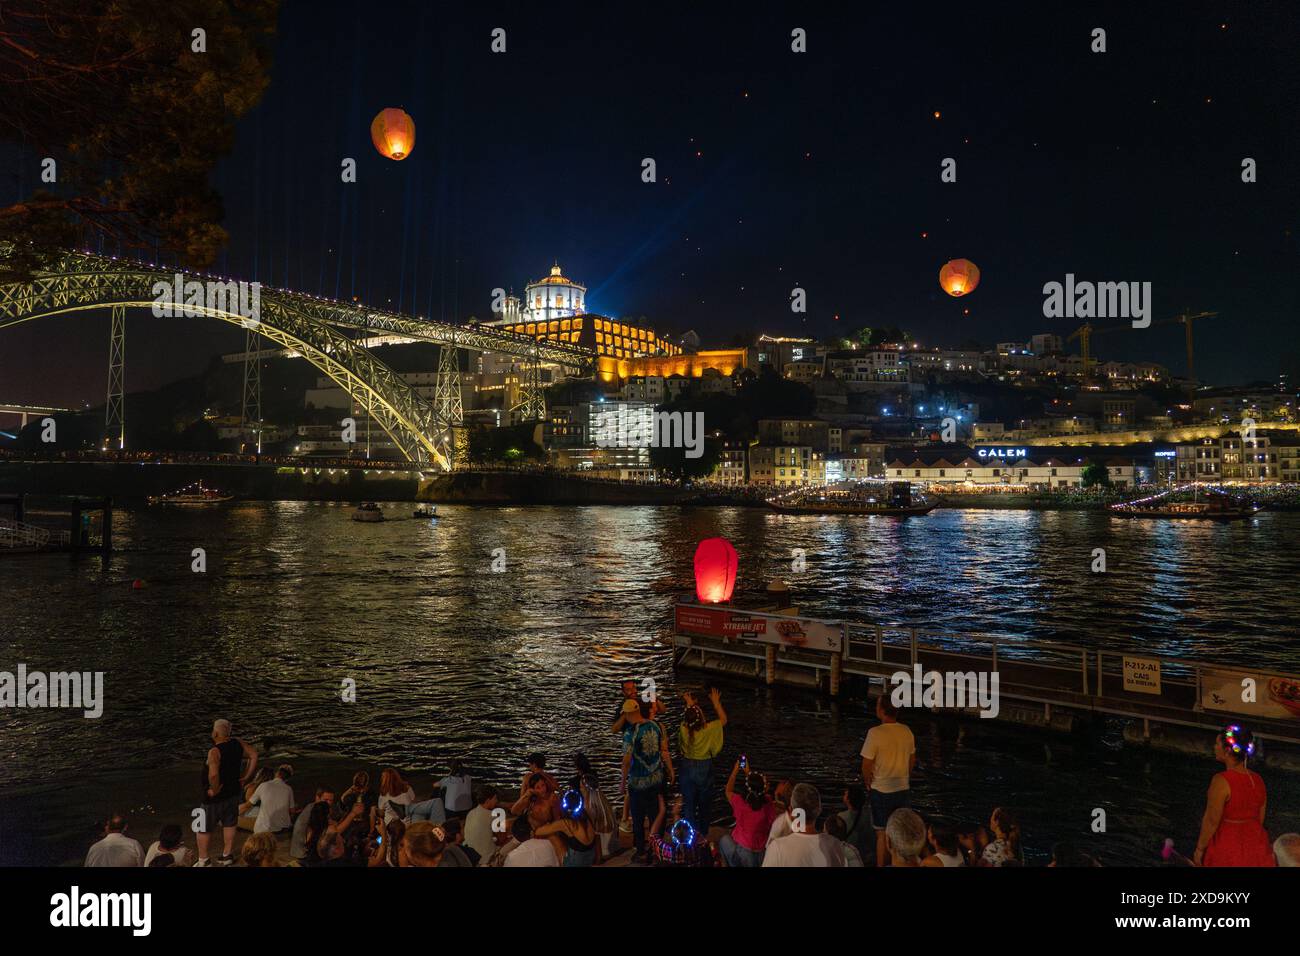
{"points": [[478, 832], [402, 800], [181, 856], [457, 792], [118, 849], [780, 827], [275, 797], [891, 746], [804, 849], [534, 852]]}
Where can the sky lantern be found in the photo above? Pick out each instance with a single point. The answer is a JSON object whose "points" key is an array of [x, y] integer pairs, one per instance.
{"points": [[959, 277], [393, 133], [715, 570]]}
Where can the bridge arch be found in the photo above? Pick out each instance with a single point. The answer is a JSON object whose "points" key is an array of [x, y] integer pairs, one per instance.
{"points": [[80, 282]]}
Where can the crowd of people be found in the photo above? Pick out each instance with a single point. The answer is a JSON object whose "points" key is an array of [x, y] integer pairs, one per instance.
{"points": [[660, 810]]}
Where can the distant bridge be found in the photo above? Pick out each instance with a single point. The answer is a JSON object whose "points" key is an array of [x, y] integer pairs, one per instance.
{"points": [[28, 411], [321, 330]]}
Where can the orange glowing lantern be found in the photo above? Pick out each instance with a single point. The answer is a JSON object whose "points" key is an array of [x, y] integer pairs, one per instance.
{"points": [[393, 133], [715, 570], [959, 277]]}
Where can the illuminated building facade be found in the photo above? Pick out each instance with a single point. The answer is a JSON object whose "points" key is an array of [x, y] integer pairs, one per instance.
{"points": [[553, 309]]}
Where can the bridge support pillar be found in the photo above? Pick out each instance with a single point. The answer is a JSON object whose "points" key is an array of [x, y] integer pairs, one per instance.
{"points": [[115, 407], [533, 400], [448, 405], [251, 411]]}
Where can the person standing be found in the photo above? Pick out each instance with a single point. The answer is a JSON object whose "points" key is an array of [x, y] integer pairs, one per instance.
{"points": [[222, 784], [646, 765], [115, 849], [699, 742], [888, 757], [1232, 828]]}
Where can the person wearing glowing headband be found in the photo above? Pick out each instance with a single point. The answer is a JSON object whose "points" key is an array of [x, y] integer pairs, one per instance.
{"points": [[572, 836], [1232, 829]]}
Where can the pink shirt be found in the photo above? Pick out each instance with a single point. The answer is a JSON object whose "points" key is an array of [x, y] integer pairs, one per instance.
{"points": [[752, 825]]}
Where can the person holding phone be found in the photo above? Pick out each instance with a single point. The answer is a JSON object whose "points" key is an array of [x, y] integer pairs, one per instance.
{"points": [[754, 812]]}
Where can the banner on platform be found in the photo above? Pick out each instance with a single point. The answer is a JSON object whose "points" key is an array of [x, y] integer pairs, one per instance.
{"points": [[731, 625], [1242, 692]]}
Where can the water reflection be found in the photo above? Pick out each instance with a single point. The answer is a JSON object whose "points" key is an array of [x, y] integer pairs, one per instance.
{"points": [[452, 659]]}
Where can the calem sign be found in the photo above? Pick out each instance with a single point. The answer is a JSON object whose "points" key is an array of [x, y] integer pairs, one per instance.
{"points": [[1003, 452]]}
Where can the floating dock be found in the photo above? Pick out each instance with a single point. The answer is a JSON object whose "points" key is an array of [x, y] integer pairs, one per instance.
{"points": [[1169, 702]]}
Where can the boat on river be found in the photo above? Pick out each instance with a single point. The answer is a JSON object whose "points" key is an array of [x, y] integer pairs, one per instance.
{"points": [[195, 495], [895, 501], [368, 512], [1215, 506]]}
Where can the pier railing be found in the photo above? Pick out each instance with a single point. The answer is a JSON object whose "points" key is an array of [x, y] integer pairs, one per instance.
{"points": [[22, 536], [1034, 674]]}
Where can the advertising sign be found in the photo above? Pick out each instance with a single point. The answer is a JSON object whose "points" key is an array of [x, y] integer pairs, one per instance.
{"points": [[1244, 692], [730, 625]]}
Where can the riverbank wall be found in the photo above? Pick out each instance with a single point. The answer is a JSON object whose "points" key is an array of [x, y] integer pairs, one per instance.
{"points": [[130, 480]]}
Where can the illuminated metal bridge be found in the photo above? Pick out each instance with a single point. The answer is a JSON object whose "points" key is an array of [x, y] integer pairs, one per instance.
{"points": [[323, 331]]}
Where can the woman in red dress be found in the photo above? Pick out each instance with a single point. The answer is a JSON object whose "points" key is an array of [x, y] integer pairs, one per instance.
{"points": [[1232, 830]]}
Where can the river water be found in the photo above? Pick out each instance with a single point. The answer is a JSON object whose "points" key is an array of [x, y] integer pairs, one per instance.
{"points": [[452, 659]]}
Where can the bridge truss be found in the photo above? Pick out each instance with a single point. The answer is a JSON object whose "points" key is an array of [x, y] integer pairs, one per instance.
{"points": [[323, 331]]}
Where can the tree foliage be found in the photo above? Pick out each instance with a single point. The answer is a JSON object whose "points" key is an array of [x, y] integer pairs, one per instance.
{"points": [[1095, 473], [133, 116]]}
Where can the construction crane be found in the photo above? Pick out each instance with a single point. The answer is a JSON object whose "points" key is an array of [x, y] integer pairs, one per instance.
{"points": [[1085, 332]]}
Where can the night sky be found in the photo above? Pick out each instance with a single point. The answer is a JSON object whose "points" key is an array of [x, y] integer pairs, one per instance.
{"points": [[775, 170]]}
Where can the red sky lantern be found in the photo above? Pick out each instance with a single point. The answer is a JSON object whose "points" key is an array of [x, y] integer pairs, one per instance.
{"points": [[393, 133], [959, 277], [715, 570]]}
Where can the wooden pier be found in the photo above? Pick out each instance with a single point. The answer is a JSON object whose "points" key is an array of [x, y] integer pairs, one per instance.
{"points": [[1039, 683]]}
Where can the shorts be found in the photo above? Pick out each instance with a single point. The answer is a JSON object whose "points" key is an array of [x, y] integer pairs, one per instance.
{"points": [[220, 813], [883, 804]]}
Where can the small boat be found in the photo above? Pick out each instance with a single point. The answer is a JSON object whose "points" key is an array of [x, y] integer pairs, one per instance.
{"points": [[368, 511], [898, 502], [830, 507], [191, 496], [429, 512]]}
